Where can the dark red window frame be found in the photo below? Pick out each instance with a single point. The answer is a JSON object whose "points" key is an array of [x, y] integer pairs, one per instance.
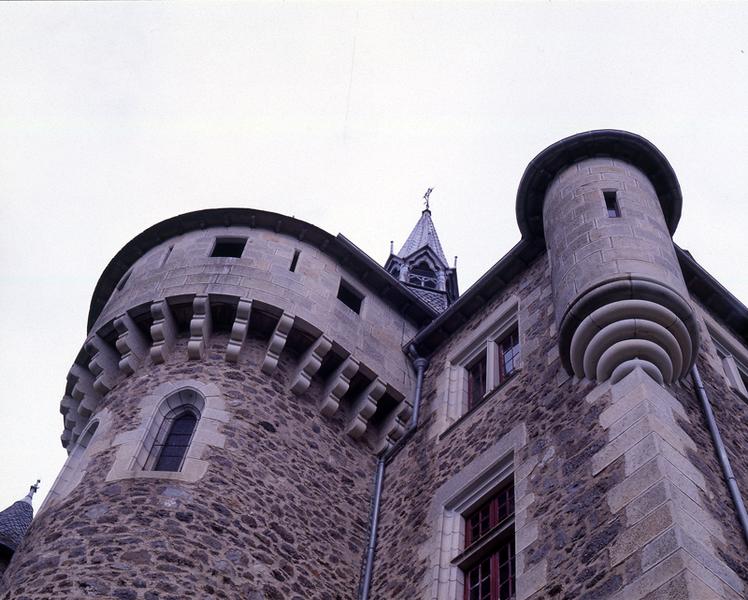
{"points": [[493, 575]]}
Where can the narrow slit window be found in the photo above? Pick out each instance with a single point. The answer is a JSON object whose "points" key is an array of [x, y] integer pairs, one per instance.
{"points": [[350, 297], [123, 282], [294, 261], [611, 204], [229, 247], [167, 255]]}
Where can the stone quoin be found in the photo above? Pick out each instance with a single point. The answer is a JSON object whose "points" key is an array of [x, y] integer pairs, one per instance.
{"points": [[260, 411]]}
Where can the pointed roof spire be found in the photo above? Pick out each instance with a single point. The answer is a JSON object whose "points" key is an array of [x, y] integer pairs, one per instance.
{"points": [[424, 235], [15, 520], [32, 490]]}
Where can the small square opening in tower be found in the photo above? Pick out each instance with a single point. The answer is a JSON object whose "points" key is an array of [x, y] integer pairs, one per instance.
{"points": [[611, 204], [229, 247], [350, 296]]}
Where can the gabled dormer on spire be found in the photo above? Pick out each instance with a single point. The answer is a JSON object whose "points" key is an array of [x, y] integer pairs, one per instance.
{"points": [[422, 267]]}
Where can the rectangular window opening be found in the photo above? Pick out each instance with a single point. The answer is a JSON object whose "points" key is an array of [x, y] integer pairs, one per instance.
{"points": [[294, 261], [229, 247], [611, 204], [350, 297], [490, 530]]}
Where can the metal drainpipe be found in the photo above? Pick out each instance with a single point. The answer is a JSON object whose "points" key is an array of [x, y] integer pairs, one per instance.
{"points": [[724, 460], [421, 364]]}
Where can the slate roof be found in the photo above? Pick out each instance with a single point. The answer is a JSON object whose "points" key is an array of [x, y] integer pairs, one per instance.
{"points": [[436, 300], [14, 521], [423, 234]]}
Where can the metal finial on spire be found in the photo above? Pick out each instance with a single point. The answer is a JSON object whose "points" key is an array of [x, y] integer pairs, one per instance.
{"points": [[32, 490], [426, 197]]}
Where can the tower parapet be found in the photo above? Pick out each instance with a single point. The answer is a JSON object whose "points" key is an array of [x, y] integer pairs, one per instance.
{"points": [[237, 270]]}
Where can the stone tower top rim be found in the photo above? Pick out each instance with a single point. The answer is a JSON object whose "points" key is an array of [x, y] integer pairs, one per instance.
{"points": [[629, 147], [338, 247]]}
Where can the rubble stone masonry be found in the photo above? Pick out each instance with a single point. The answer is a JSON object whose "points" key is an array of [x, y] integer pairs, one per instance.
{"points": [[281, 512]]}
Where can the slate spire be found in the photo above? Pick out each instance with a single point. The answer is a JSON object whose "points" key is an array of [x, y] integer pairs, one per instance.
{"points": [[422, 267], [424, 236]]}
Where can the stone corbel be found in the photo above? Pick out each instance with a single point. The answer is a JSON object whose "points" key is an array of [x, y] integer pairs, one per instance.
{"points": [[104, 364], [394, 427], [363, 408], [337, 386], [277, 343], [69, 411], [131, 344], [201, 327], [84, 392], [239, 330], [310, 364], [163, 331]]}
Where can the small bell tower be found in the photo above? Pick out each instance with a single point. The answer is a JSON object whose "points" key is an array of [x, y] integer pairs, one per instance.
{"points": [[421, 265]]}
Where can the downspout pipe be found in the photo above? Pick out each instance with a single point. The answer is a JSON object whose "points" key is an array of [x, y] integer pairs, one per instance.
{"points": [[719, 446], [420, 364]]}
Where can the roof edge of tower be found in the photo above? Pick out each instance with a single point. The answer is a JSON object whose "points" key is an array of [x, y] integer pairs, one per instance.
{"points": [[614, 143], [338, 247]]}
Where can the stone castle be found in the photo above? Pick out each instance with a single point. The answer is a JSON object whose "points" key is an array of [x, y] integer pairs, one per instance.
{"points": [[260, 411]]}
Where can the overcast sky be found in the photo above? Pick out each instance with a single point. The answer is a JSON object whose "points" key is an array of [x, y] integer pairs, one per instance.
{"points": [[114, 116]]}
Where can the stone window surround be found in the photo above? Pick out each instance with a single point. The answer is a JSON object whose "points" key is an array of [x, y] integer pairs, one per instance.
{"points": [[464, 492], [732, 355], [486, 339], [134, 446], [173, 407]]}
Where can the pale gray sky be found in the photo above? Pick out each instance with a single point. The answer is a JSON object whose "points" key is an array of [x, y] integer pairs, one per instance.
{"points": [[114, 116]]}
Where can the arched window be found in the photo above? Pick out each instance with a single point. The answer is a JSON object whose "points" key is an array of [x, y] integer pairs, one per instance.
{"points": [[172, 430], [171, 452], [180, 421]]}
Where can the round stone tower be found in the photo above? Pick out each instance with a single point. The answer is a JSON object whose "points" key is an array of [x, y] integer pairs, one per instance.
{"points": [[241, 372], [606, 204]]}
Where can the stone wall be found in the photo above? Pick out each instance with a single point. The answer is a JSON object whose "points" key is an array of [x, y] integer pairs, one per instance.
{"points": [[731, 413], [573, 543], [567, 525], [281, 512]]}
